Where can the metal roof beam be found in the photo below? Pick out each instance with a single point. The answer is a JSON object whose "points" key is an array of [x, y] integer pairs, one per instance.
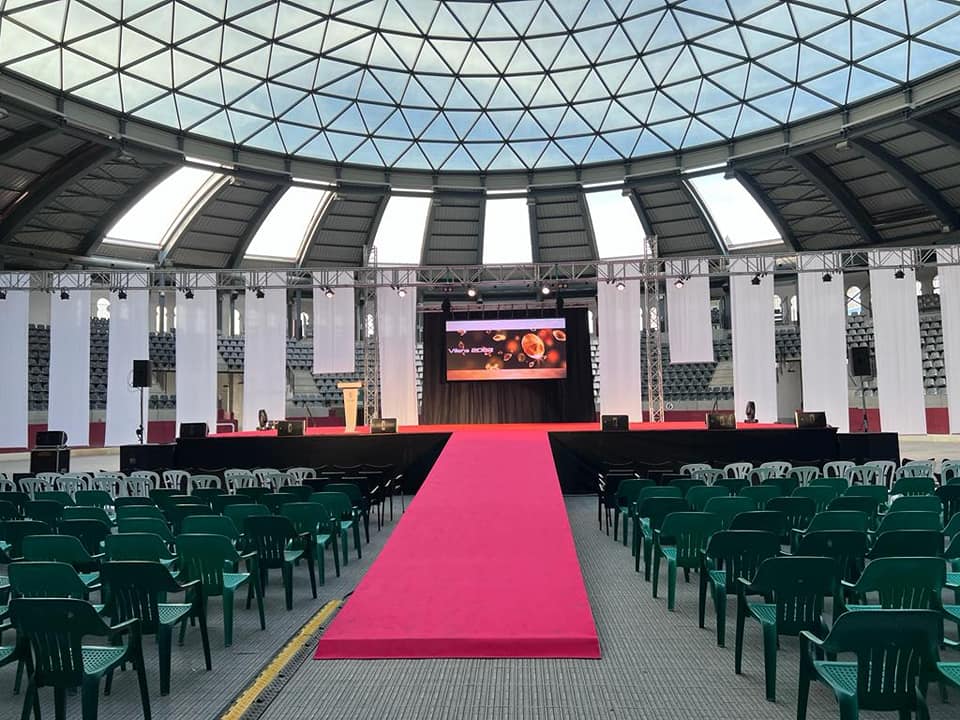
{"points": [[243, 242], [534, 229], [826, 182], [705, 217], [751, 185], [942, 125], [588, 224], [23, 139], [49, 185], [428, 230], [906, 176], [94, 236]]}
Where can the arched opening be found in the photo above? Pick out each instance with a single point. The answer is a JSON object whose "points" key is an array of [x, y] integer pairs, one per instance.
{"points": [[854, 301], [103, 309]]}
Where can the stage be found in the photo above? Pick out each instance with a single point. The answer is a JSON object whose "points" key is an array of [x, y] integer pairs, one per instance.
{"points": [[579, 450]]}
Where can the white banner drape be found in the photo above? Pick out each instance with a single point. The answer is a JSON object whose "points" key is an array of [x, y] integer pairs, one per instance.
{"points": [[689, 329], [950, 314], [823, 344], [129, 341], [69, 386], [397, 327], [896, 333], [333, 327], [265, 352], [619, 327], [197, 350], [754, 353], [14, 323]]}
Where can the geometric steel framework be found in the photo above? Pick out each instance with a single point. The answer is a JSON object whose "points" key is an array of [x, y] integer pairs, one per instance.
{"points": [[474, 86]]}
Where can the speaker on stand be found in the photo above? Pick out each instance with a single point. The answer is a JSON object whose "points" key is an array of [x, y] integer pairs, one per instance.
{"points": [[861, 366], [142, 375]]}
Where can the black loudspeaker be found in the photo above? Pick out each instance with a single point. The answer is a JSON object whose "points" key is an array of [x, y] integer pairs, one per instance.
{"points": [[383, 425], [614, 423], [722, 420], [807, 420], [51, 439], [142, 373], [289, 428], [860, 362], [193, 431], [50, 460]]}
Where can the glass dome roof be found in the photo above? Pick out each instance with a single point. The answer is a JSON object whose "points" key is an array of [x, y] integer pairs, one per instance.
{"points": [[474, 86]]}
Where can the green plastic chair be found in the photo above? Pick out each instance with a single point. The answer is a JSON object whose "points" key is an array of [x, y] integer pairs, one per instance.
{"points": [[357, 498], [274, 501], [785, 485], [867, 505], [731, 554], [916, 503], [133, 591], [221, 502], [832, 520], [8, 511], [680, 540], [47, 579], [729, 507], [93, 498], [896, 655], [87, 512], [66, 549], [211, 525], [910, 520], [949, 496], [914, 486], [795, 587], [239, 513], [13, 532], [950, 672], [799, 511], [772, 521], [142, 546], [16, 498], [907, 543], [55, 629], [159, 496], [761, 494], [732, 485], [278, 545], [206, 494], [685, 484], [625, 496], [952, 528], [90, 533], [697, 497], [139, 511], [155, 526], [820, 494], [839, 485], [314, 518], [137, 500], [177, 512], [47, 511], [901, 583], [645, 492], [650, 514], [803, 474], [58, 496], [340, 506], [877, 492], [848, 547], [203, 557]]}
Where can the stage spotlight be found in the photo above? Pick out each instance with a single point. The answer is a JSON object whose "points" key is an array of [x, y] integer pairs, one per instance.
{"points": [[329, 292], [445, 307], [471, 291], [755, 280], [188, 294], [544, 289], [401, 292], [678, 283], [259, 293], [899, 274], [3, 294], [620, 285], [827, 277], [64, 295]]}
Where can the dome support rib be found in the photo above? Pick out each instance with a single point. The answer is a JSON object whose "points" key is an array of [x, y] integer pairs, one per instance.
{"points": [[902, 173], [820, 176], [21, 140], [769, 207], [243, 242]]}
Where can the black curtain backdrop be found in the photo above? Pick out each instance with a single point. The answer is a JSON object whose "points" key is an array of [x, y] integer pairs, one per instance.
{"points": [[508, 401]]}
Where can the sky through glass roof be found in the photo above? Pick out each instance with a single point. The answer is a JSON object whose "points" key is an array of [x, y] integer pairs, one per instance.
{"points": [[467, 86], [616, 225], [399, 239], [284, 231], [740, 220]]}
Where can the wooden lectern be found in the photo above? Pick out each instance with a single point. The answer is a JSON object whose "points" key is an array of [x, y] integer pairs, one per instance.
{"points": [[351, 391]]}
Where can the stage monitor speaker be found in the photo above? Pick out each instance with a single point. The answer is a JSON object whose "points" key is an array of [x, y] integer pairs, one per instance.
{"points": [[614, 423], [383, 425], [56, 460], [722, 420], [193, 431], [860, 362], [289, 428], [807, 420], [142, 373], [51, 439]]}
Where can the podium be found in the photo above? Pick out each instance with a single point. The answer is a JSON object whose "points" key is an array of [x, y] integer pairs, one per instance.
{"points": [[351, 391]]}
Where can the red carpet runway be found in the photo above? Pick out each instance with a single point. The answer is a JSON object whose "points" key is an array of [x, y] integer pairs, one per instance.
{"points": [[482, 564]]}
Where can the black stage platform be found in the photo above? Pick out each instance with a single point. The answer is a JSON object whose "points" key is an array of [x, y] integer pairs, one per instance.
{"points": [[578, 454]]}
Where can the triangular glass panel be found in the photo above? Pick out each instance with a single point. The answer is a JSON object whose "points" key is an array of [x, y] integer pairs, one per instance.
{"points": [[46, 18], [892, 62], [592, 89], [407, 48], [156, 69], [545, 49], [545, 22], [244, 125], [499, 53], [727, 41], [236, 84], [416, 95], [684, 94], [105, 92], [371, 89], [430, 61], [573, 124], [476, 63], [217, 127], [482, 153], [414, 159], [505, 120], [525, 86], [188, 22], [617, 118], [283, 98], [639, 104], [926, 15], [667, 34], [695, 25], [864, 84], [483, 130], [349, 120], [395, 126], [520, 14], [506, 159], [734, 80], [528, 128], [548, 94], [440, 129], [503, 97], [807, 104], [593, 112], [341, 33], [358, 51], [292, 18], [295, 136], [342, 145], [613, 74], [382, 55], [460, 97], [815, 62], [672, 132], [452, 53], [192, 111], [318, 148], [16, 42], [594, 41], [651, 144], [158, 23], [762, 81], [723, 121], [834, 40], [752, 120], [495, 25], [640, 29], [623, 141], [374, 115], [888, 14], [305, 113], [260, 21], [187, 68], [569, 81], [553, 156], [330, 108], [601, 152], [481, 88], [418, 120], [924, 59], [665, 109], [137, 92], [576, 147], [256, 101], [659, 63], [867, 39], [82, 20], [712, 97], [461, 160], [523, 61], [134, 45], [811, 20], [777, 105], [267, 139], [391, 150], [163, 111], [832, 85], [365, 154], [570, 56], [437, 152]]}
